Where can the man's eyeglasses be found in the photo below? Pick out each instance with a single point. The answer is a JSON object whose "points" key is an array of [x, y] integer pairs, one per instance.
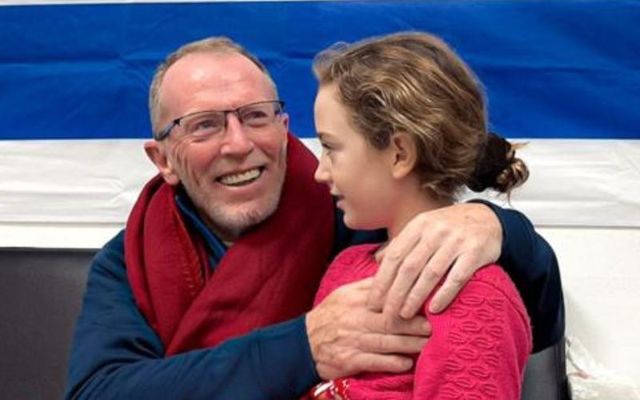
{"points": [[204, 124]]}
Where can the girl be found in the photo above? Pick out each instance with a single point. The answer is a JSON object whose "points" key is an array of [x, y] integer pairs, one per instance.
{"points": [[402, 123]]}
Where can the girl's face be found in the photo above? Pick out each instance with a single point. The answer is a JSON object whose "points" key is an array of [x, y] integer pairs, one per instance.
{"points": [[357, 174]]}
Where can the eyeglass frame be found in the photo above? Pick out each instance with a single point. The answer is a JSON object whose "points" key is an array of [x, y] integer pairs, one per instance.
{"points": [[164, 133]]}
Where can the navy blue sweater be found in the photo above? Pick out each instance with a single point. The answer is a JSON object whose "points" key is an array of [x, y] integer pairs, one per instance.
{"points": [[116, 354]]}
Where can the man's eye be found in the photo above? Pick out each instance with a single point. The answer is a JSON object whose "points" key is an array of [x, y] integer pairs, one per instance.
{"points": [[255, 116], [207, 123], [205, 126]]}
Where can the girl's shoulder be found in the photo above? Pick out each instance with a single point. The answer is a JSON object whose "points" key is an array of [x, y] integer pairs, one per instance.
{"points": [[352, 264]]}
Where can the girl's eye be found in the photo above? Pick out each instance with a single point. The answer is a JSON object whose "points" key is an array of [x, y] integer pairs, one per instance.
{"points": [[326, 149]]}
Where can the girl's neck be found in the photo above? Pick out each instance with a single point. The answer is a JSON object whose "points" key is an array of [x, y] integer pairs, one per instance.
{"points": [[411, 205]]}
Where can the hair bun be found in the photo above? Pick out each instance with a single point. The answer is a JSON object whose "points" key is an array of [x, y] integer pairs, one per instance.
{"points": [[497, 166]]}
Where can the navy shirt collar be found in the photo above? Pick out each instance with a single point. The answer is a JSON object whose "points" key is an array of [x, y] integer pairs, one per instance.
{"points": [[217, 249]]}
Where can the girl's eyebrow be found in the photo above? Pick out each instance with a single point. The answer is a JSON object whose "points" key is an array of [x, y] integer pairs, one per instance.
{"points": [[324, 135]]}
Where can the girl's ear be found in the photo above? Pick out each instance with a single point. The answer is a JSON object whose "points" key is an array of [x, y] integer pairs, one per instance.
{"points": [[404, 153]]}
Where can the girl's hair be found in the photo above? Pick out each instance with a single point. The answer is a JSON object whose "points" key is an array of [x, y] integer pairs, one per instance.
{"points": [[414, 83]]}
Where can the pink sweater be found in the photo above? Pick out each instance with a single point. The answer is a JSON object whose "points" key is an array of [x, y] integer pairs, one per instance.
{"points": [[478, 349]]}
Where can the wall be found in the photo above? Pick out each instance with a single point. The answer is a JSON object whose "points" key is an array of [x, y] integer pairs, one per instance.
{"points": [[601, 279]]}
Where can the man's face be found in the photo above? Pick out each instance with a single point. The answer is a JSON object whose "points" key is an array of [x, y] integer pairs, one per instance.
{"points": [[234, 178]]}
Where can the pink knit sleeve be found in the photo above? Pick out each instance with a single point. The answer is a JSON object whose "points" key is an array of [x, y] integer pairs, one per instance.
{"points": [[480, 344]]}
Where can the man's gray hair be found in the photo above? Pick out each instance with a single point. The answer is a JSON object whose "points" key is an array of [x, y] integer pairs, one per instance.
{"points": [[216, 45]]}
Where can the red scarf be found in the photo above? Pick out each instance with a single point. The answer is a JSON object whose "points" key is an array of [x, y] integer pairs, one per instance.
{"points": [[267, 276]]}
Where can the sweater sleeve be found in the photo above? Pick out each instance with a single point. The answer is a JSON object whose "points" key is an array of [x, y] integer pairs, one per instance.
{"points": [[479, 345], [116, 354], [533, 267]]}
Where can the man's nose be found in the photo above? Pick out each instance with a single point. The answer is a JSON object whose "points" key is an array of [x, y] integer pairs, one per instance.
{"points": [[236, 141]]}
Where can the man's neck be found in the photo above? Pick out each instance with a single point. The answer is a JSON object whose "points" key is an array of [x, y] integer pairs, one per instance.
{"points": [[216, 244]]}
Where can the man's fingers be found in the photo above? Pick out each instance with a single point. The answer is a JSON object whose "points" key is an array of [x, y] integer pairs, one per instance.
{"points": [[407, 275], [391, 344], [380, 255], [460, 273], [394, 254], [362, 361], [380, 363], [355, 291], [361, 285], [420, 291], [391, 325], [341, 325], [463, 237], [429, 277]]}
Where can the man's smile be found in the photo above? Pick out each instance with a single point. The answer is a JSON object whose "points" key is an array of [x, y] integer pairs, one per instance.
{"points": [[241, 178]]}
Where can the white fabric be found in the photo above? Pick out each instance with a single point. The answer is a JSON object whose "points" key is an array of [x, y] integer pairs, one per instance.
{"points": [[572, 183]]}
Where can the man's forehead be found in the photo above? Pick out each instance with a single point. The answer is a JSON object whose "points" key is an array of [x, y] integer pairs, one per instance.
{"points": [[227, 74]]}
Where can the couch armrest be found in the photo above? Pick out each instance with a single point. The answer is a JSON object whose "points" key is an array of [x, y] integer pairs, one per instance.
{"points": [[546, 375]]}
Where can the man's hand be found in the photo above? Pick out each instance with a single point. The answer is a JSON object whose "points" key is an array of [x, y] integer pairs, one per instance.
{"points": [[464, 237], [346, 337]]}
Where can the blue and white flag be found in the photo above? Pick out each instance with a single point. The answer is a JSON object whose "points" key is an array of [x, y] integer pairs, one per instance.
{"points": [[562, 75]]}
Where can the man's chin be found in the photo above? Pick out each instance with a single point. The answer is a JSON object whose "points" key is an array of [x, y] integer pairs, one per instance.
{"points": [[232, 221]]}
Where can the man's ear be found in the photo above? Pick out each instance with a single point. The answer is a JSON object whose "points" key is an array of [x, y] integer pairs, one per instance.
{"points": [[157, 154], [404, 154], [285, 123]]}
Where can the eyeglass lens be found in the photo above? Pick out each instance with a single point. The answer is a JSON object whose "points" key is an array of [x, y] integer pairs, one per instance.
{"points": [[212, 122]]}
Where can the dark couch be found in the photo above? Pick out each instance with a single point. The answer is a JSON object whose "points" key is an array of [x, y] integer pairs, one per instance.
{"points": [[40, 297]]}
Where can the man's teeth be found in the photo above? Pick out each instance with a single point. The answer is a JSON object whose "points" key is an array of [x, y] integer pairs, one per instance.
{"points": [[241, 178]]}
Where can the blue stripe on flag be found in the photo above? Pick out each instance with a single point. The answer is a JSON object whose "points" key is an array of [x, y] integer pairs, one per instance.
{"points": [[552, 69]]}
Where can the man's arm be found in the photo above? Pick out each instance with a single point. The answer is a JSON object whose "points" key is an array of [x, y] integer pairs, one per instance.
{"points": [[465, 237], [115, 354], [533, 267]]}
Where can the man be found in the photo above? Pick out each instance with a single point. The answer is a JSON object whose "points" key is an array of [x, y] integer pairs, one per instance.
{"points": [[204, 293]]}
